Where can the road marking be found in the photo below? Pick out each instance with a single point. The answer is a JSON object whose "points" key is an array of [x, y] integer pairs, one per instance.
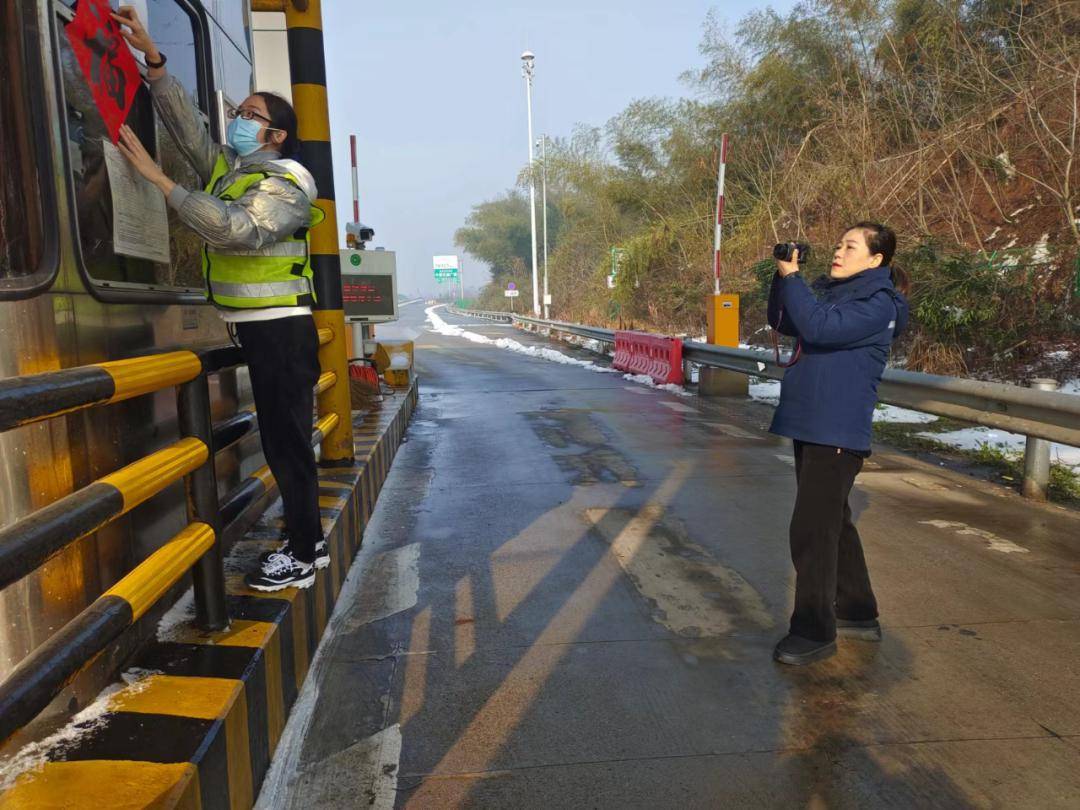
{"points": [[391, 584], [690, 592], [678, 406], [993, 542], [637, 389], [363, 775], [734, 432], [789, 460], [378, 585]]}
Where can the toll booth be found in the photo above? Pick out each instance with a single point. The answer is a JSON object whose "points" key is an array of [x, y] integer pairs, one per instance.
{"points": [[369, 297]]}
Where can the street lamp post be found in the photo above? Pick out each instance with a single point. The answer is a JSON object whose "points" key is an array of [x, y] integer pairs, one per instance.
{"points": [[527, 60], [543, 203]]}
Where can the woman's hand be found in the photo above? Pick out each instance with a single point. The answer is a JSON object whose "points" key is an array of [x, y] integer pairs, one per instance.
{"points": [[136, 33], [131, 147], [787, 268]]}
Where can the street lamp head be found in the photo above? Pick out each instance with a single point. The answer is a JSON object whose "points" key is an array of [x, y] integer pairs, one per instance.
{"points": [[527, 60], [528, 57]]}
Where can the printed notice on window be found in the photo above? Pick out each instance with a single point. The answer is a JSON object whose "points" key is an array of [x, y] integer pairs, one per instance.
{"points": [[140, 221]]}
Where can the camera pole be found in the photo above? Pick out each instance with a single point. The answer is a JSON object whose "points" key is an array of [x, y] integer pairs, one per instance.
{"points": [[721, 311]]}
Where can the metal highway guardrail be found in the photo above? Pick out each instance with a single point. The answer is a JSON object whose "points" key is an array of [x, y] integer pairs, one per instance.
{"points": [[1038, 414]]}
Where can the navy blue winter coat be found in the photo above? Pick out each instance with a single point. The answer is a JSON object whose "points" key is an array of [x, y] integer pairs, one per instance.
{"points": [[847, 327]]}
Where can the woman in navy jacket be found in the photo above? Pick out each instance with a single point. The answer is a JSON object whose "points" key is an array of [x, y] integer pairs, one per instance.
{"points": [[845, 325]]}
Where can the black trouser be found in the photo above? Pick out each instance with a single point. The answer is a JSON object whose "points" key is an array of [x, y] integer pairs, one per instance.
{"points": [[282, 358], [830, 571]]}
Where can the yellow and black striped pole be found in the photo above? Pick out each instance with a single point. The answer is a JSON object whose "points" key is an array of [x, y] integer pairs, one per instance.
{"points": [[307, 67]]}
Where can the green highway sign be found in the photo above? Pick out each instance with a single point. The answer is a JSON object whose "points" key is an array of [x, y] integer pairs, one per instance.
{"points": [[446, 273]]}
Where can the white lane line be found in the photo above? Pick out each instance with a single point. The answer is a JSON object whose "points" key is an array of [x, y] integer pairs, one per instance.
{"points": [[734, 432], [790, 461], [364, 773], [636, 389], [678, 406], [993, 542]]}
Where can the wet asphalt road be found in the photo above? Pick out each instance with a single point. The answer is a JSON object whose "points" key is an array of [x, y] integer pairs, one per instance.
{"points": [[570, 590]]}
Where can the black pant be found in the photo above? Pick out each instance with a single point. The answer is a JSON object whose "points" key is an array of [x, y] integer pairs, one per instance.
{"points": [[830, 571], [282, 358]]}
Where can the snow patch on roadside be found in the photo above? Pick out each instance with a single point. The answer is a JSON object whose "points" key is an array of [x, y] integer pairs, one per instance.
{"points": [[441, 327], [769, 391], [644, 379], [1009, 443]]}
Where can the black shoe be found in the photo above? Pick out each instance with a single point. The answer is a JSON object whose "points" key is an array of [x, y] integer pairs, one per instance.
{"points": [[863, 630], [282, 571], [322, 552], [799, 651]]}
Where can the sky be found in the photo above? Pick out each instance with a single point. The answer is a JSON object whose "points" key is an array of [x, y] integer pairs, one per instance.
{"points": [[434, 93]]}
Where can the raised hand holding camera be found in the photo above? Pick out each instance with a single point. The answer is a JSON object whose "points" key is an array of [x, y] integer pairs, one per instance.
{"points": [[789, 255]]}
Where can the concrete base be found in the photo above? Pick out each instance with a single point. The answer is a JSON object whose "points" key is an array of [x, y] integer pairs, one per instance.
{"points": [[719, 382]]}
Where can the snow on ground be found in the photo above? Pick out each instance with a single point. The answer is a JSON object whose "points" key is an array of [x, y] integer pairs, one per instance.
{"points": [[34, 755], [769, 391], [891, 413], [439, 326], [765, 391], [180, 614], [1010, 443], [644, 379]]}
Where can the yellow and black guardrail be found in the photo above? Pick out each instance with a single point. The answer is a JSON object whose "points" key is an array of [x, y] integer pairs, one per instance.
{"points": [[31, 541]]}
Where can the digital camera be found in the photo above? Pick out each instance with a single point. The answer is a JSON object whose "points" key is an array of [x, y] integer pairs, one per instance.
{"points": [[785, 250]]}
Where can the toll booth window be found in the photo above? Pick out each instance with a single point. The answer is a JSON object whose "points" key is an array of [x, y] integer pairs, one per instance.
{"points": [[173, 30], [234, 68], [25, 178], [88, 140]]}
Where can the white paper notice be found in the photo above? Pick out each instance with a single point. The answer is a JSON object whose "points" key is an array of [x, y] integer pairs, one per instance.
{"points": [[140, 221]]}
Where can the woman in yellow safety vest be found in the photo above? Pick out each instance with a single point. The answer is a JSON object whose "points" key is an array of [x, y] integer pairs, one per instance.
{"points": [[254, 214]]}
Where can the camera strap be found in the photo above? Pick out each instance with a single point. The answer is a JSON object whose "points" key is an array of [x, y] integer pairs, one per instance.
{"points": [[795, 355]]}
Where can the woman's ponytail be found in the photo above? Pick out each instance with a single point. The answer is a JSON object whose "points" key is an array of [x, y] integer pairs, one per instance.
{"points": [[900, 279], [882, 239]]}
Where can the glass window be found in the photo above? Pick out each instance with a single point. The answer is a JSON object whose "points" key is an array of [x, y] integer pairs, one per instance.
{"points": [[174, 32], [24, 181], [172, 28], [234, 70], [234, 21], [93, 197]]}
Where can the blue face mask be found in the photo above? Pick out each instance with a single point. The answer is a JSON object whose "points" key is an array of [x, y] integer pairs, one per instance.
{"points": [[243, 136]]}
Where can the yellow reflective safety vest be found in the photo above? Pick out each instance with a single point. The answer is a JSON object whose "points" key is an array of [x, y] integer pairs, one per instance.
{"points": [[278, 275]]}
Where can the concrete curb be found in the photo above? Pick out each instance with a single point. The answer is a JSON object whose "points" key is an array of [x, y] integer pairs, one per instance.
{"points": [[201, 731]]}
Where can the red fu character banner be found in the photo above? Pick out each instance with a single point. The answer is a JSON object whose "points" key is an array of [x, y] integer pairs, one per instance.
{"points": [[106, 61]]}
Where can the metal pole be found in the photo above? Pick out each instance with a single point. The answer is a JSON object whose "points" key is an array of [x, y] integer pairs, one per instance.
{"points": [[1037, 455], [307, 69], [527, 72], [543, 168], [719, 212], [355, 182], [193, 411]]}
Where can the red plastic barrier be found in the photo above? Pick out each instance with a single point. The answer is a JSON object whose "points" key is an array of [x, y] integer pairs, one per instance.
{"points": [[654, 355]]}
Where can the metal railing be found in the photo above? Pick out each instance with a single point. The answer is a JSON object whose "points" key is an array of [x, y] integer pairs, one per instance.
{"points": [[34, 539], [1041, 414]]}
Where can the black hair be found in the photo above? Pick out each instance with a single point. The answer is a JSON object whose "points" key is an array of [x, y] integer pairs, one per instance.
{"points": [[283, 117], [882, 239]]}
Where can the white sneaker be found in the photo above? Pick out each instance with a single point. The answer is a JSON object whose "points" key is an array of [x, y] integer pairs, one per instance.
{"points": [[280, 571]]}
